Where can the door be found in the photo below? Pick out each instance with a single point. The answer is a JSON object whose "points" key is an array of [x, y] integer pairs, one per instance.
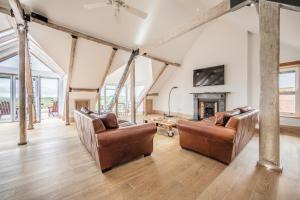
{"points": [[5, 98], [49, 97]]}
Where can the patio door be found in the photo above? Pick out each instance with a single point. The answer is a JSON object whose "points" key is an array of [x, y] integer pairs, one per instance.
{"points": [[49, 97], [5, 98]]}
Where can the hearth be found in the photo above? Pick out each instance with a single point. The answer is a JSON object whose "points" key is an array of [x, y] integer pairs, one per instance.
{"points": [[207, 104]]}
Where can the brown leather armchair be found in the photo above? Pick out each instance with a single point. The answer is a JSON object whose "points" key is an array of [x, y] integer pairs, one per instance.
{"points": [[111, 143], [222, 143]]}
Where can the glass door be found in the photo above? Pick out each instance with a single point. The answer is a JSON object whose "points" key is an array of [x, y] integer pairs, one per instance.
{"points": [[49, 97], [5, 98]]}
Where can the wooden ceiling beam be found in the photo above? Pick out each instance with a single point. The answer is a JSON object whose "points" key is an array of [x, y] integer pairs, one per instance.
{"points": [[151, 86], [17, 12], [4, 58], [108, 67], [123, 79], [58, 27], [211, 14], [83, 90], [69, 79], [290, 64], [107, 70]]}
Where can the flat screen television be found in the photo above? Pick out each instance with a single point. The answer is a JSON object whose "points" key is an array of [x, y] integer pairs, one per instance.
{"points": [[209, 76]]}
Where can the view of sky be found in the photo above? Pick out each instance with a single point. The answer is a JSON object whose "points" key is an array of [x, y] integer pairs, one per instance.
{"points": [[287, 80]]}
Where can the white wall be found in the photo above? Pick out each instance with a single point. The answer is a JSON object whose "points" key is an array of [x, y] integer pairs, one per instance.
{"points": [[287, 54], [221, 43]]}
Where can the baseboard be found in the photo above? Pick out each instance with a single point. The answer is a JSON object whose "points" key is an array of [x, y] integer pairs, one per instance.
{"points": [[289, 129]]}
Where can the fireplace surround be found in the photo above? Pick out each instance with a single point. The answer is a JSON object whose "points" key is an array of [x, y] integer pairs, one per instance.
{"points": [[207, 104]]}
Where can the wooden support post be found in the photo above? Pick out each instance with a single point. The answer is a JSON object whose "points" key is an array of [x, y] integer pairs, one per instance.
{"points": [[70, 72], [269, 125], [29, 88], [152, 85], [132, 92], [22, 97], [22, 31], [123, 79], [110, 61], [117, 107]]}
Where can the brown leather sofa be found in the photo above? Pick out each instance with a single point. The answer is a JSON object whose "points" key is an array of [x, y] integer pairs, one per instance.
{"points": [[220, 142], [111, 142]]}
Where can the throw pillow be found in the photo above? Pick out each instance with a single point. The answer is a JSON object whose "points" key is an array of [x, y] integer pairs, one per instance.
{"points": [[230, 114], [98, 125], [110, 120], [219, 119]]}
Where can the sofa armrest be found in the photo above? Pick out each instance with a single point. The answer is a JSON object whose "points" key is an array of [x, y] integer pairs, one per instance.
{"points": [[208, 131], [126, 135]]}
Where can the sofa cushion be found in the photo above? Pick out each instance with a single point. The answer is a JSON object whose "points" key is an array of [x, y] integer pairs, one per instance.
{"points": [[245, 109], [220, 119], [98, 125], [85, 110], [109, 120]]}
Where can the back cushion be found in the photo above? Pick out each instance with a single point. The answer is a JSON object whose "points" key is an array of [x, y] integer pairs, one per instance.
{"points": [[98, 125], [85, 110], [110, 120], [245, 109]]}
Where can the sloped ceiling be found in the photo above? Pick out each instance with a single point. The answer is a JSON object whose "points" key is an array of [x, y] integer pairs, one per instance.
{"points": [[164, 15]]}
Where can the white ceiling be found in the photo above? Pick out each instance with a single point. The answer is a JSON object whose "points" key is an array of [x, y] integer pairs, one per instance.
{"points": [[164, 15]]}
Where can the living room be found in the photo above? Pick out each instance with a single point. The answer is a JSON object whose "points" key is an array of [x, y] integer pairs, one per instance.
{"points": [[127, 99]]}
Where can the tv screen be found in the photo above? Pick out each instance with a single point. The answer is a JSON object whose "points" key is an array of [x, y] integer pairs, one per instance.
{"points": [[209, 76]]}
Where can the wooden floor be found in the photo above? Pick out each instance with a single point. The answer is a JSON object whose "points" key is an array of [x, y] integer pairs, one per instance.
{"points": [[54, 165]]}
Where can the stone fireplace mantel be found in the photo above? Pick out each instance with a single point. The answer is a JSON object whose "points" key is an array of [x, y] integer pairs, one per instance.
{"points": [[208, 103]]}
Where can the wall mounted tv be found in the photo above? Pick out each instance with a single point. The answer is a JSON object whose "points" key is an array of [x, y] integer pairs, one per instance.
{"points": [[209, 76]]}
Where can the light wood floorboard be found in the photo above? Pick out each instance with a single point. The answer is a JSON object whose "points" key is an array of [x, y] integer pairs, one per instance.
{"points": [[55, 165]]}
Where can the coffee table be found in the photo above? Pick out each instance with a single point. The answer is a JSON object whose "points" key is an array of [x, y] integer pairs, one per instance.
{"points": [[164, 123]]}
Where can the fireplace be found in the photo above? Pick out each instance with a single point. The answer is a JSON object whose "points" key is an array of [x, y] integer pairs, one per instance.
{"points": [[207, 104]]}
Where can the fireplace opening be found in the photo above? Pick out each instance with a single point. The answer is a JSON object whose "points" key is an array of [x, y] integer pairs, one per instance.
{"points": [[208, 109], [207, 104]]}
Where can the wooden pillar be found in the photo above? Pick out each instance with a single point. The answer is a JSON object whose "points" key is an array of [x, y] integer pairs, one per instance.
{"points": [[22, 97], [29, 88], [70, 72], [132, 92], [117, 107], [269, 127]]}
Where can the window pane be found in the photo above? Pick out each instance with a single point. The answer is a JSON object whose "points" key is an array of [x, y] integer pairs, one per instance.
{"points": [[5, 99], [287, 103], [287, 81]]}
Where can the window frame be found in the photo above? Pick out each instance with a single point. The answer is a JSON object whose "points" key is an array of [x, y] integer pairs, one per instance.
{"points": [[295, 69]]}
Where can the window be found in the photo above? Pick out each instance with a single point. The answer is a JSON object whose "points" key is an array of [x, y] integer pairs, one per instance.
{"points": [[287, 89]]}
